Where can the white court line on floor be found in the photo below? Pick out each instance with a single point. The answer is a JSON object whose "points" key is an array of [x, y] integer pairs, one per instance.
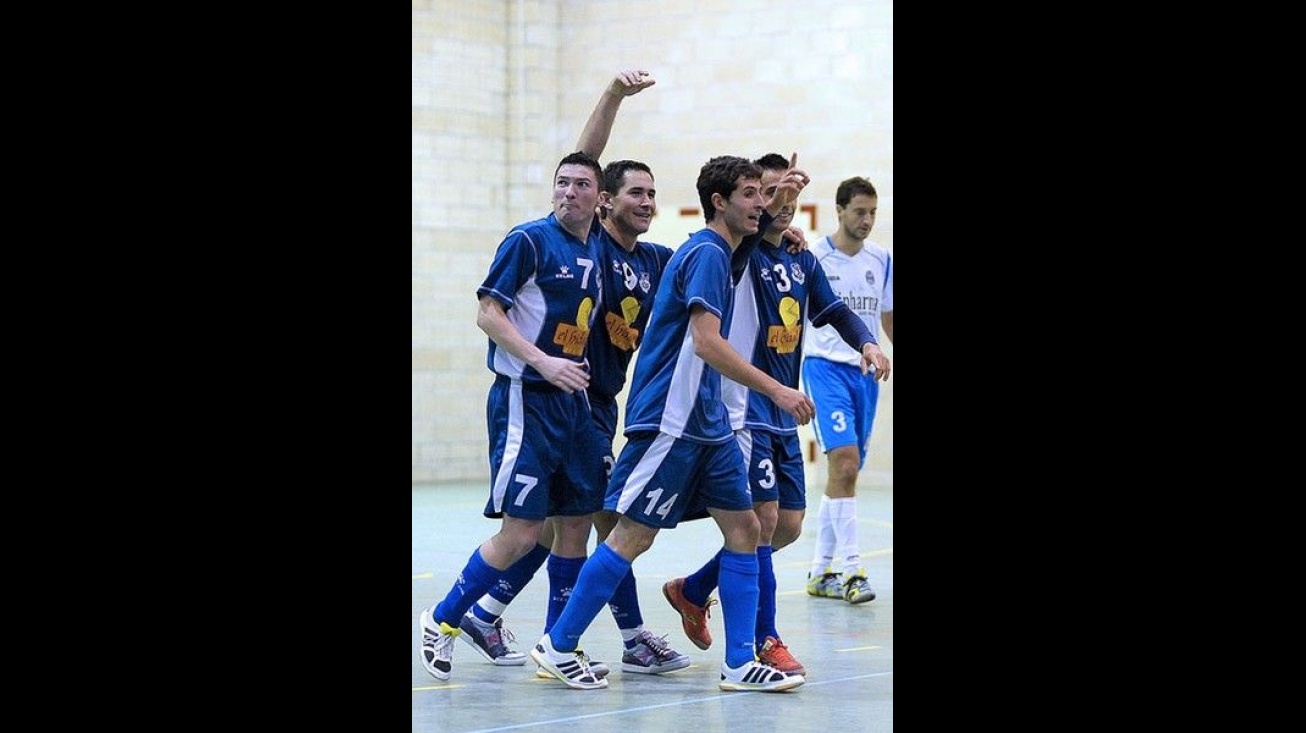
{"points": [[673, 704]]}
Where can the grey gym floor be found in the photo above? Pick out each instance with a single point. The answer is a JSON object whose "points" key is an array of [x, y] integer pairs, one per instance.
{"points": [[848, 650]]}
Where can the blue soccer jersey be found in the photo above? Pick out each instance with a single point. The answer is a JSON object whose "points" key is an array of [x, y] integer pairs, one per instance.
{"points": [[779, 292], [630, 281], [673, 390], [549, 282]]}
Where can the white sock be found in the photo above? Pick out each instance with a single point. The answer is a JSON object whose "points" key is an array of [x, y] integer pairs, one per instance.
{"points": [[490, 605], [630, 634], [823, 555], [843, 516]]}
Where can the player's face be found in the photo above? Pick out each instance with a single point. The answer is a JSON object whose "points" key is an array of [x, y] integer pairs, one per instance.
{"points": [[743, 209], [575, 194], [770, 179], [634, 207], [858, 217]]}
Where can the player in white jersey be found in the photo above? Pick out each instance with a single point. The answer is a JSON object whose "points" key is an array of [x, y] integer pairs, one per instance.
{"points": [[861, 274]]}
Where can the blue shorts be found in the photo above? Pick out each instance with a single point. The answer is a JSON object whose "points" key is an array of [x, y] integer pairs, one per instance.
{"points": [[546, 454], [660, 479], [775, 467], [845, 402], [604, 411]]}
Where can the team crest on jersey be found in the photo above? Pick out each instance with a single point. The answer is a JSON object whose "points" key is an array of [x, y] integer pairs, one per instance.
{"points": [[645, 282], [564, 273], [870, 278], [796, 272]]}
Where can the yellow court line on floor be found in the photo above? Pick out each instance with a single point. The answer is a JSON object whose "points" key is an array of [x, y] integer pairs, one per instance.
{"points": [[858, 649], [437, 687], [423, 576]]}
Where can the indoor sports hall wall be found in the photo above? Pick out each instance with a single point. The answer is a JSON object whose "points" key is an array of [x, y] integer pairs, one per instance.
{"points": [[501, 91]]}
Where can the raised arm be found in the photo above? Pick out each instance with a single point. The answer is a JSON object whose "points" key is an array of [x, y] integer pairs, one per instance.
{"points": [[788, 187], [594, 138]]}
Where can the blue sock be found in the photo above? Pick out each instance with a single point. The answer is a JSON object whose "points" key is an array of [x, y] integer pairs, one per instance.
{"points": [[472, 582], [738, 591], [625, 606], [700, 584], [597, 582], [563, 572], [765, 596], [513, 581]]}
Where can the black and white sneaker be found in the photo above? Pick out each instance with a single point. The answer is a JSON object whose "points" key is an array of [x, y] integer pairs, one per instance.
{"points": [[572, 668], [755, 676], [437, 644]]}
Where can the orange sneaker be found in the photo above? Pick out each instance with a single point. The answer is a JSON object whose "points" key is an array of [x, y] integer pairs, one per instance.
{"points": [[775, 654], [692, 618]]}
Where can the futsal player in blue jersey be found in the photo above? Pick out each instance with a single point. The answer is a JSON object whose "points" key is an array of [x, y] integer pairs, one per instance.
{"points": [[778, 292], [681, 454], [633, 269], [537, 305], [861, 273]]}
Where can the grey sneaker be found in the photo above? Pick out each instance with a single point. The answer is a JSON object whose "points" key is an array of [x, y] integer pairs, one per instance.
{"points": [[491, 641], [651, 655], [856, 589], [437, 644], [572, 667], [825, 585]]}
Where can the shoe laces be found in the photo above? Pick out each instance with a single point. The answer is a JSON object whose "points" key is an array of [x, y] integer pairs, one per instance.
{"points": [[780, 651], [496, 635], [657, 644], [707, 607]]}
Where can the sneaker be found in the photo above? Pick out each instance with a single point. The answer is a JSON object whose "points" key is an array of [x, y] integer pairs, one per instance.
{"points": [[825, 585], [491, 641], [856, 589], [572, 668], [755, 676], [599, 669], [775, 654], [692, 618], [652, 655], [437, 644]]}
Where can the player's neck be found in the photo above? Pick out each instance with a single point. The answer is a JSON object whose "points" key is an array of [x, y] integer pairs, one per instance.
{"points": [[580, 232], [719, 226], [846, 244], [626, 239]]}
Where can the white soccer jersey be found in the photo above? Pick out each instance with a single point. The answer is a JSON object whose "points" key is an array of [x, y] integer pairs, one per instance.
{"points": [[863, 281]]}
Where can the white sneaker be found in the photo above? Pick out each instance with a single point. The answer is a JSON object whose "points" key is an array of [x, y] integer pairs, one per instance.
{"points": [[437, 644], [755, 676], [573, 668]]}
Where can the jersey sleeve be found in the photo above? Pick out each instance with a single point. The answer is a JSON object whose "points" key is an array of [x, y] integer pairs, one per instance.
{"points": [[514, 263]]}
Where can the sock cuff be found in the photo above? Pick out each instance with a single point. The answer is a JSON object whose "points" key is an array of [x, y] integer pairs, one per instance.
{"points": [[739, 562], [608, 559]]}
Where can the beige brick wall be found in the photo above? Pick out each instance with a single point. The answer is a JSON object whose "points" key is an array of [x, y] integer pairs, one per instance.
{"points": [[502, 89]]}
